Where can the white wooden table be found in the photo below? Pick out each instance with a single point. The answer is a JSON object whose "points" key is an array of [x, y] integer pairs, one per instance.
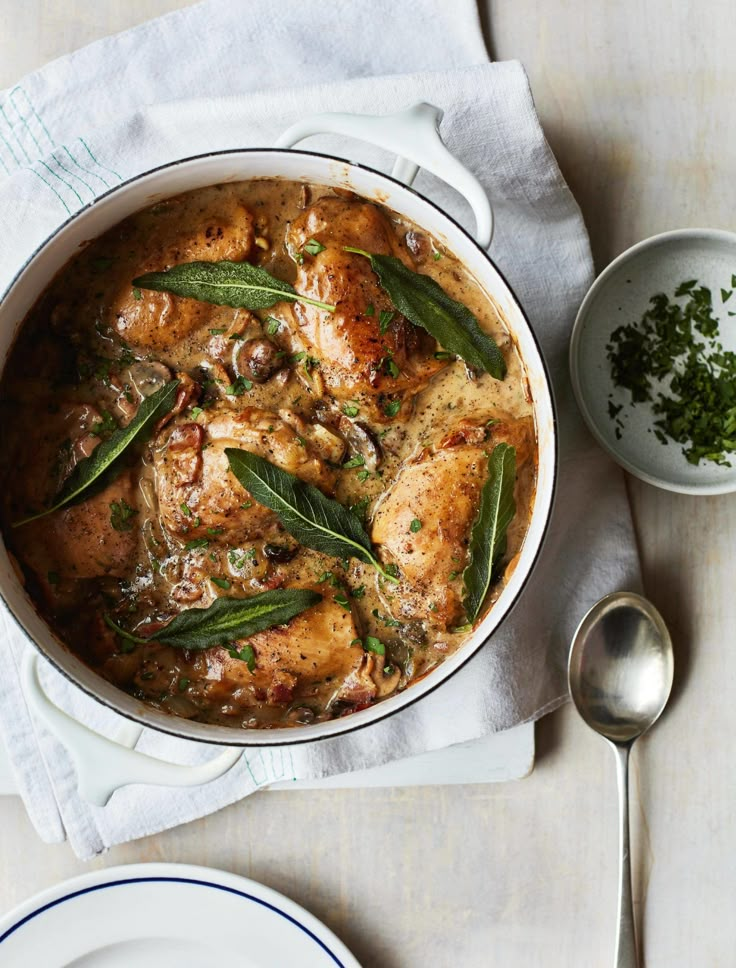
{"points": [[637, 102]]}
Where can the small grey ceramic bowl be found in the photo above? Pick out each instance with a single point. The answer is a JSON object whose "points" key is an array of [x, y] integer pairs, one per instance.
{"points": [[620, 295]]}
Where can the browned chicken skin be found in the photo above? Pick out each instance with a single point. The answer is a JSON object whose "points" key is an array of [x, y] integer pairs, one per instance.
{"points": [[291, 660], [80, 541], [356, 359], [151, 321], [198, 495], [441, 490]]}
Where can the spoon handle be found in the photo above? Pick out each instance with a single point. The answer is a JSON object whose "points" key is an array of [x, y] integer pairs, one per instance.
{"points": [[626, 951]]}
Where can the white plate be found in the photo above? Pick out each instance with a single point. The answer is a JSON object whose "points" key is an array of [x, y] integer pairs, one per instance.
{"points": [[620, 295], [165, 916]]}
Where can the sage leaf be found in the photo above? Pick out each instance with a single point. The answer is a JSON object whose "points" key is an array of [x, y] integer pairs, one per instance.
{"points": [[315, 521], [488, 537], [105, 458], [237, 284], [425, 303], [227, 619]]}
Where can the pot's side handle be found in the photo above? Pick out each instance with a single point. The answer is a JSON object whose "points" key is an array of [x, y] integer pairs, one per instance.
{"points": [[104, 765], [414, 136]]}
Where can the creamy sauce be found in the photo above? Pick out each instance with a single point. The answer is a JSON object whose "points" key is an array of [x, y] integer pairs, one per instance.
{"points": [[157, 541]]}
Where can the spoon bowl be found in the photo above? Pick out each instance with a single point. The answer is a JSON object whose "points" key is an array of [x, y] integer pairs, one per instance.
{"points": [[621, 667]]}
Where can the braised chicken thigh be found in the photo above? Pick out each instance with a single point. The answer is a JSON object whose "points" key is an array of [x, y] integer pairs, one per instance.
{"points": [[221, 227], [441, 490], [366, 351], [293, 661], [197, 493]]}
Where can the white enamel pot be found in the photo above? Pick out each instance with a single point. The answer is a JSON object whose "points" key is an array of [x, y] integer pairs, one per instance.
{"points": [[413, 136]]}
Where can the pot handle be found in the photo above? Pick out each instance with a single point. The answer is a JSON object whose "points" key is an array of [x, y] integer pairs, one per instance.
{"points": [[414, 136], [104, 765]]}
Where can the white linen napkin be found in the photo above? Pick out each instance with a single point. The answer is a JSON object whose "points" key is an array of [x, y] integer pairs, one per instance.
{"points": [[87, 122]]}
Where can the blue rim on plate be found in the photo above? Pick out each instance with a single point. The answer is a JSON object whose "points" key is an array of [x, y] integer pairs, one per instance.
{"points": [[181, 874]]}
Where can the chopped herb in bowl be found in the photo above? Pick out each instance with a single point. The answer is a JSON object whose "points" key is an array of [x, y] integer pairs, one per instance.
{"points": [[673, 359]]}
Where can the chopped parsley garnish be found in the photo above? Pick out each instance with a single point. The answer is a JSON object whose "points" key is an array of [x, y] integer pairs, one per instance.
{"points": [[363, 475], [436, 256], [220, 582], [186, 510], [342, 600], [360, 508], [215, 530], [443, 355], [196, 543], [370, 310], [372, 644], [217, 332], [272, 325], [195, 412], [121, 514], [137, 294], [350, 409], [386, 619], [356, 461], [673, 359], [392, 570], [105, 426], [183, 683], [328, 577], [391, 407], [358, 592], [391, 368], [384, 319], [416, 525], [313, 247], [239, 387], [245, 654], [310, 362]]}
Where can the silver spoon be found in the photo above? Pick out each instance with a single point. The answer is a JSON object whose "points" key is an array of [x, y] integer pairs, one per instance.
{"points": [[620, 675]]}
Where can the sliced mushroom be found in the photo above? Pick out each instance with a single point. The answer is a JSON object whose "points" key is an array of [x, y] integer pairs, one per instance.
{"points": [[387, 678], [419, 246], [329, 445], [147, 376], [301, 715], [363, 441]]}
